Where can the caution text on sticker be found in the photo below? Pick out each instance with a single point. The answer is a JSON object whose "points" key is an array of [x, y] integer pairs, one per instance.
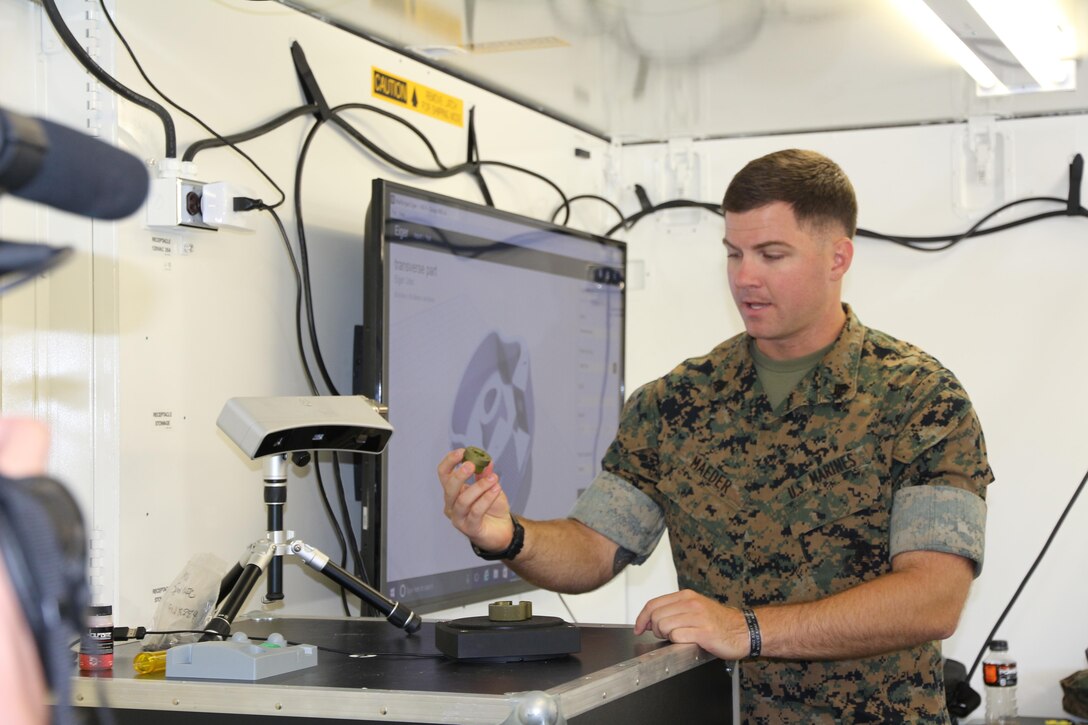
{"points": [[417, 97]]}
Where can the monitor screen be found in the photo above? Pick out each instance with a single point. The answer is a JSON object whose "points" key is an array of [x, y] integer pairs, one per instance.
{"points": [[488, 329]]}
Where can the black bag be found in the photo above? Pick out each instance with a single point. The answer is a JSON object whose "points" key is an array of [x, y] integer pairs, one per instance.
{"points": [[1075, 700]]}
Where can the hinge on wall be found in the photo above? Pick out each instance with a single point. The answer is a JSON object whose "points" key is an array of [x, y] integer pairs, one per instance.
{"points": [[982, 166], [682, 180], [684, 169]]}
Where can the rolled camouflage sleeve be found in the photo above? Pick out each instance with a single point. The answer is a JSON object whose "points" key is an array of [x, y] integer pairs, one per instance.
{"points": [[940, 499], [939, 518], [621, 512]]}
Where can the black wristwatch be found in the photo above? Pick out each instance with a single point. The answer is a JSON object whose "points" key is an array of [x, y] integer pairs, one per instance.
{"points": [[511, 551]]}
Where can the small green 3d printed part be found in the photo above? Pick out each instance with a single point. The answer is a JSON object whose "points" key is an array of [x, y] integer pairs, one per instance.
{"points": [[477, 457]]}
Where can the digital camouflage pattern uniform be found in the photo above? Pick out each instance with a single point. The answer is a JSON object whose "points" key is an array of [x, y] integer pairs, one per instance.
{"points": [[876, 451]]}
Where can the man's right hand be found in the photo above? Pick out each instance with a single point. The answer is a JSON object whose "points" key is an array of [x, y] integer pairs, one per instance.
{"points": [[562, 555], [479, 510]]}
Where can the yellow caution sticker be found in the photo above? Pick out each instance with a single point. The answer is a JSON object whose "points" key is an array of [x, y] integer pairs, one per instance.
{"points": [[417, 97]]}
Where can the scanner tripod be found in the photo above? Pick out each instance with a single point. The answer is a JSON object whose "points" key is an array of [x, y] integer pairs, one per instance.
{"points": [[267, 555]]}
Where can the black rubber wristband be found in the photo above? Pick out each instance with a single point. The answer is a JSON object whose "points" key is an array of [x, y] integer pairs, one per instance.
{"points": [[511, 551], [755, 638]]}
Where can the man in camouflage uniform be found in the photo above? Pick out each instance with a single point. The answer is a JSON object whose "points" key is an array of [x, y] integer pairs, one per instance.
{"points": [[822, 483]]}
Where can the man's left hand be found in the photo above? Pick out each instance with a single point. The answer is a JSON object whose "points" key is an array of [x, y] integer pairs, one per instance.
{"points": [[689, 617]]}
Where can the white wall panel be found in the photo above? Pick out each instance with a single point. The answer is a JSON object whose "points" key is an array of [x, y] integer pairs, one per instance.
{"points": [[163, 326]]}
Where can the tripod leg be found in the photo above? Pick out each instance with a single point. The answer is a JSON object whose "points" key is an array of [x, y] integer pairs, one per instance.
{"points": [[274, 592], [262, 552], [229, 581], [395, 613]]}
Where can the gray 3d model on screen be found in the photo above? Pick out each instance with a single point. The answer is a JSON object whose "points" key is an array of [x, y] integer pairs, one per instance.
{"points": [[494, 411]]}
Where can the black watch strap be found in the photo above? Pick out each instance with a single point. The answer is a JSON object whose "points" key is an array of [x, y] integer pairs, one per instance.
{"points": [[511, 551]]}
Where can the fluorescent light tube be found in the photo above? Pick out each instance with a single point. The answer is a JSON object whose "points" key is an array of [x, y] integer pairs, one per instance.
{"points": [[1035, 33], [931, 26]]}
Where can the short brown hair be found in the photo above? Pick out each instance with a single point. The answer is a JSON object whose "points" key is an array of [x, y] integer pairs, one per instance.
{"points": [[815, 187]]}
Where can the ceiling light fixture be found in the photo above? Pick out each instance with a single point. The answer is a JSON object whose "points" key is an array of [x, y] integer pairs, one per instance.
{"points": [[1007, 46]]}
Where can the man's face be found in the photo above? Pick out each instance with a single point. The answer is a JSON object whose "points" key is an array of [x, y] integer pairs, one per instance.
{"points": [[786, 279]]}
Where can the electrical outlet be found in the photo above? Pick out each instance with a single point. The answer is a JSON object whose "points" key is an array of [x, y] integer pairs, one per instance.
{"points": [[176, 202], [190, 204]]}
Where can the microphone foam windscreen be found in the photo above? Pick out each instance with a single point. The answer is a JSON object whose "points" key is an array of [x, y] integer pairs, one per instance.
{"points": [[85, 176]]}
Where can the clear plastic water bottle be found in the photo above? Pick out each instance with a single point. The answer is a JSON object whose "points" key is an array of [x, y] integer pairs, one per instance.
{"points": [[999, 676]]}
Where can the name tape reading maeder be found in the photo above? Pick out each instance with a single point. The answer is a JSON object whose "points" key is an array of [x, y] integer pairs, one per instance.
{"points": [[417, 97]]}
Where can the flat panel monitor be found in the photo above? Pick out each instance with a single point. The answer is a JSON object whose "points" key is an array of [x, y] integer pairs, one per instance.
{"points": [[480, 328]]}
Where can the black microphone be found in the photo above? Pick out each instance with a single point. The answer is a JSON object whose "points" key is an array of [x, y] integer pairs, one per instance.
{"points": [[58, 166]]}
